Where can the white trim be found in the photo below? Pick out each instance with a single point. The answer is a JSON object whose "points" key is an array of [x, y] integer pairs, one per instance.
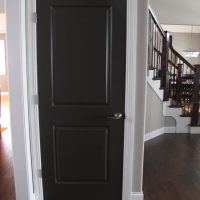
{"points": [[137, 196], [131, 53], [16, 47], [170, 129], [141, 71], [154, 134], [194, 129], [158, 132], [32, 91]]}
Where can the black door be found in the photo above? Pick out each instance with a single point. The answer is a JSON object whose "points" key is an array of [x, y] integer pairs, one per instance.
{"points": [[81, 79]]}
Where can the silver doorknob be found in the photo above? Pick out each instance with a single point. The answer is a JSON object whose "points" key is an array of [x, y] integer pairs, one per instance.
{"points": [[116, 116]]}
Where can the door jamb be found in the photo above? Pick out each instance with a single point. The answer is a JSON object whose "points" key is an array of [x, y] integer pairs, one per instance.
{"points": [[130, 91], [16, 58], [24, 108]]}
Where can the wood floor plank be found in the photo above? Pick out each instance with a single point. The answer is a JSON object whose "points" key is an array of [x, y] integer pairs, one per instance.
{"points": [[7, 188], [172, 167]]}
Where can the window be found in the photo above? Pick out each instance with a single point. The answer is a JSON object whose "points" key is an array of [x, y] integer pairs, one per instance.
{"points": [[2, 55]]}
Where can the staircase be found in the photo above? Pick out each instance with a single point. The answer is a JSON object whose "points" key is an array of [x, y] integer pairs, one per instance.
{"points": [[174, 79]]}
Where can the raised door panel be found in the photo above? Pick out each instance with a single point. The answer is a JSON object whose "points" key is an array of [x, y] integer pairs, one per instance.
{"points": [[80, 54]]}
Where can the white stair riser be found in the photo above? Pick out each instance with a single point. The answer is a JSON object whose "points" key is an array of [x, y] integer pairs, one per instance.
{"points": [[182, 123]]}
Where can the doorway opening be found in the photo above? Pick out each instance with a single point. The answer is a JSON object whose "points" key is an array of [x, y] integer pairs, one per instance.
{"points": [[171, 156], [7, 186]]}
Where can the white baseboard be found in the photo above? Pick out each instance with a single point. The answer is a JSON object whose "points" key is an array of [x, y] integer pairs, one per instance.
{"points": [[194, 129], [169, 129], [137, 196], [159, 132], [154, 134]]}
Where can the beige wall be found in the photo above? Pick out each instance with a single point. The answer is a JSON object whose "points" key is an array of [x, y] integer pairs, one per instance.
{"points": [[3, 78], [2, 2], [154, 112], [3, 83], [2, 23], [182, 41]]}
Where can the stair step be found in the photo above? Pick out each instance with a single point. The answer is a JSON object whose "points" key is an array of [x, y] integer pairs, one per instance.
{"points": [[187, 76], [186, 95], [166, 99], [152, 68], [157, 78], [183, 84], [188, 115], [174, 106], [194, 125], [184, 76], [162, 88]]}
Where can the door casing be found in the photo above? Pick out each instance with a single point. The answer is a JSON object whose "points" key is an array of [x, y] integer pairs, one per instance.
{"points": [[24, 112]]}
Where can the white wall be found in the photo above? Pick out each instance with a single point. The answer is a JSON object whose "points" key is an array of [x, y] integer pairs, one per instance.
{"points": [[154, 113], [177, 12], [182, 41]]}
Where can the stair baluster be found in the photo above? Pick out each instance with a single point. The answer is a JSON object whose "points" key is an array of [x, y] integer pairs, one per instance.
{"points": [[195, 98]]}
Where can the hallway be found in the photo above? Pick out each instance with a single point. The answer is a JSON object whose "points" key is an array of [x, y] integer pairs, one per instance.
{"points": [[172, 167]]}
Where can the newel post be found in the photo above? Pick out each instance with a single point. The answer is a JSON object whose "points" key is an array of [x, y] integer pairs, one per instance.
{"points": [[195, 97], [164, 68]]}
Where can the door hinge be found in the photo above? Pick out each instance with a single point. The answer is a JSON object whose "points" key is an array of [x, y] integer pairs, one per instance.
{"points": [[34, 17], [35, 99], [40, 173]]}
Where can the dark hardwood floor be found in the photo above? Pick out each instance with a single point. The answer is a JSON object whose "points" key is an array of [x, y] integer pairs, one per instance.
{"points": [[7, 188], [172, 168]]}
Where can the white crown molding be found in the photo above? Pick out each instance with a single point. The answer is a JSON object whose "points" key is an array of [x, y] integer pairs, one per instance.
{"points": [[181, 28]]}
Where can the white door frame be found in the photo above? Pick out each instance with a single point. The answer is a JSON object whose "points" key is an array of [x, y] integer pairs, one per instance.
{"points": [[22, 70], [16, 58]]}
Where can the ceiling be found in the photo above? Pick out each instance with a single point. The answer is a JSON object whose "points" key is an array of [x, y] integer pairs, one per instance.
{"points": [[181, 28], [2, 6], [185, 12]]}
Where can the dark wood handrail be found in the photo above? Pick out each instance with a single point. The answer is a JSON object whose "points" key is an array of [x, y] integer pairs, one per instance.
{"points": [[181, 57], [173, 64], [157, 24]]}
